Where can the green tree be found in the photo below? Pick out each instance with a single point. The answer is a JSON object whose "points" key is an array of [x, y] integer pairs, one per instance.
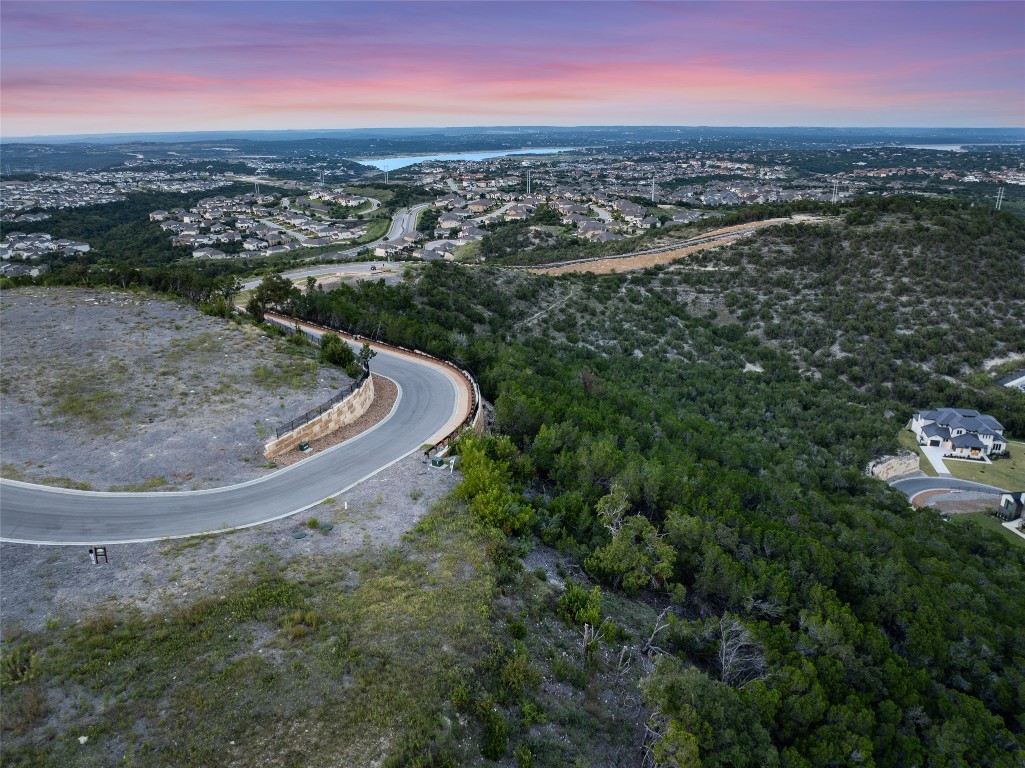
{"points": [[366, 354], [334, 350], [637, 557]]}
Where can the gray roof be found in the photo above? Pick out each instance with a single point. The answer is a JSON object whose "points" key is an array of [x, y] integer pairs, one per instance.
{"points": [[935, 430], [967, 440], [963, 418]]}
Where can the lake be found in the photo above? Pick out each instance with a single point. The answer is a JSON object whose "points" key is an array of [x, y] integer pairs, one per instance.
{"points": [[391, 163]]}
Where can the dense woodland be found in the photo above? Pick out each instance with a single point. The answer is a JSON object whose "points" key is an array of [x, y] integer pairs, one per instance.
{"points": [[811, 617], [817, 619]]}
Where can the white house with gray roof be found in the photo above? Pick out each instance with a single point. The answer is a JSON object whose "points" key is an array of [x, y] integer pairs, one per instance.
{"points": [[961, 432]]}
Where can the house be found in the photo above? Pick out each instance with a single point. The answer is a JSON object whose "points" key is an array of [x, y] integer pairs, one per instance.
{"points": [[961, 432], [1012, 506]]}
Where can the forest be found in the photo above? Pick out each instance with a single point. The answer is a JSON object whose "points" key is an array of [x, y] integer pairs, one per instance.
{"points": [[807, 602], [692, 439]]}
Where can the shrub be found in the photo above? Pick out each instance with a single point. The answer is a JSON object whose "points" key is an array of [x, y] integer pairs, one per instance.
{"points": [[335, 351], [578, 606], [496, 735]]}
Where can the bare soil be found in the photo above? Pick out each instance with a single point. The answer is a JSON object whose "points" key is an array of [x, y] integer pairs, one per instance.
{"points": [[632, 263], [117, 390]]}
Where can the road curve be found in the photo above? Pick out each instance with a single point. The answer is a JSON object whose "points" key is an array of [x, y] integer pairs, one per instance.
{"points": [[429, 402], [913, 486]]}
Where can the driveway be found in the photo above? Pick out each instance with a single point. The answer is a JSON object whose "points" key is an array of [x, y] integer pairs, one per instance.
{"points": [[935, 456]]}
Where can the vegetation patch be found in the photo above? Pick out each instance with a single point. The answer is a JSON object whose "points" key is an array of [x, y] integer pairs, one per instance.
{"points": [[365, 664]]}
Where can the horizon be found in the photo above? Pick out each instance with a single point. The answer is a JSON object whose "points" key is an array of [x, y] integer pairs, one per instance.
{"points": [[324, 133], [97, 68]]}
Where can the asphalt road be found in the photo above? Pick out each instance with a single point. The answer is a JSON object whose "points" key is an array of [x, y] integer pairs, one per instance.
{"points": [[39, 514], [404, 222], [916, 485], [369, 268]]}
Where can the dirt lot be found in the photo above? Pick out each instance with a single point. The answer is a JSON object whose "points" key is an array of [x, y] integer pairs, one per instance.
{"points": [[113, 389], [631, 263], [123, 391], [955, 502]]}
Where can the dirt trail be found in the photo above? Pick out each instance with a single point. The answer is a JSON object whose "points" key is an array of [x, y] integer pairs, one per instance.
{"points": [[630, 263]]}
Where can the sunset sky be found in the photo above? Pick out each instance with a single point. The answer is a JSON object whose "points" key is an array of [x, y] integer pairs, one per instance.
{"points": [[82, 67]]}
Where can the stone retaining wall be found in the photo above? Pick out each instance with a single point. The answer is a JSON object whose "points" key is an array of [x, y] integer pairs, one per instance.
{"points": [[345, 412]]}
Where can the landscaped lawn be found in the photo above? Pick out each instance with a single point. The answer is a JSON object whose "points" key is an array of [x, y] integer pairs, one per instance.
{"points": [[1006, 473], [908, 440], [985, 520]]}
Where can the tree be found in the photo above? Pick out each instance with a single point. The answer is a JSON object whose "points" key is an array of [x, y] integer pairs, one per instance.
{"points": [[335, 351], [228, 286], [366, 354], [636, 557], [274, 292]]}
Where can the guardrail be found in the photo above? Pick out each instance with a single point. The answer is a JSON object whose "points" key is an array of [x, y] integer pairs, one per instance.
{"points": [[476, 406]]}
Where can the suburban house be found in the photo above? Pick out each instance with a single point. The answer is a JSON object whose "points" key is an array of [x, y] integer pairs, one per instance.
{"points": [[1012, 506], [961, 432]]}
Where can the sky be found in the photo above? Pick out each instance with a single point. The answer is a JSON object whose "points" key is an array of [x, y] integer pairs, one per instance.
{"points": [[114, 67]]}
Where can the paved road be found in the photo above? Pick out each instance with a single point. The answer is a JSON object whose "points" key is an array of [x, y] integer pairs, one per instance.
{"points": [[916, 485], [404, 222], [374, 269], [428, 403]]}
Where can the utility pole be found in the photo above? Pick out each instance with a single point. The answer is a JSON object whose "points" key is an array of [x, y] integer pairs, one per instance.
{"points": [[836, 190], [1000, 197], [528, 181], [652, 189]]}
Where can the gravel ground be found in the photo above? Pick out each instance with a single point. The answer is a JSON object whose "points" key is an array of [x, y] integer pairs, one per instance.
{"points": [[43, 583], [124, 391], [954, 502]]}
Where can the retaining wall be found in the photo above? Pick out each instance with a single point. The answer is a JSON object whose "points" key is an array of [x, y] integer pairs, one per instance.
{"points": [[345, 412]]}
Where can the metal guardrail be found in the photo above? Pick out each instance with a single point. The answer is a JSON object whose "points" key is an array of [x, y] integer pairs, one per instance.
{"points": [[310, 415]]}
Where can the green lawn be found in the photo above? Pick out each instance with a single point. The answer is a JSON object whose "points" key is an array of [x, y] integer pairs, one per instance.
{"points": [[1007, 473], [985, 520], [907, 440]]}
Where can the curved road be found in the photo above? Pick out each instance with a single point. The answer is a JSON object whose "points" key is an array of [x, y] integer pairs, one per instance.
{"points": [[913, 486], [428, 405]]}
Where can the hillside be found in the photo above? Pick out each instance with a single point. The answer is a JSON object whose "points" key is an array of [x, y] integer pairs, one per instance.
{"points": [[678, 461]]}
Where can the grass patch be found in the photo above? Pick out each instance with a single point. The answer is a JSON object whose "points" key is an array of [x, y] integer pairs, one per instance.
{"points": [[1007, 473], [296, 374], [988, 522], [908, 440], [11, 472], [376, 229], [64, 482], [149, 484]]}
